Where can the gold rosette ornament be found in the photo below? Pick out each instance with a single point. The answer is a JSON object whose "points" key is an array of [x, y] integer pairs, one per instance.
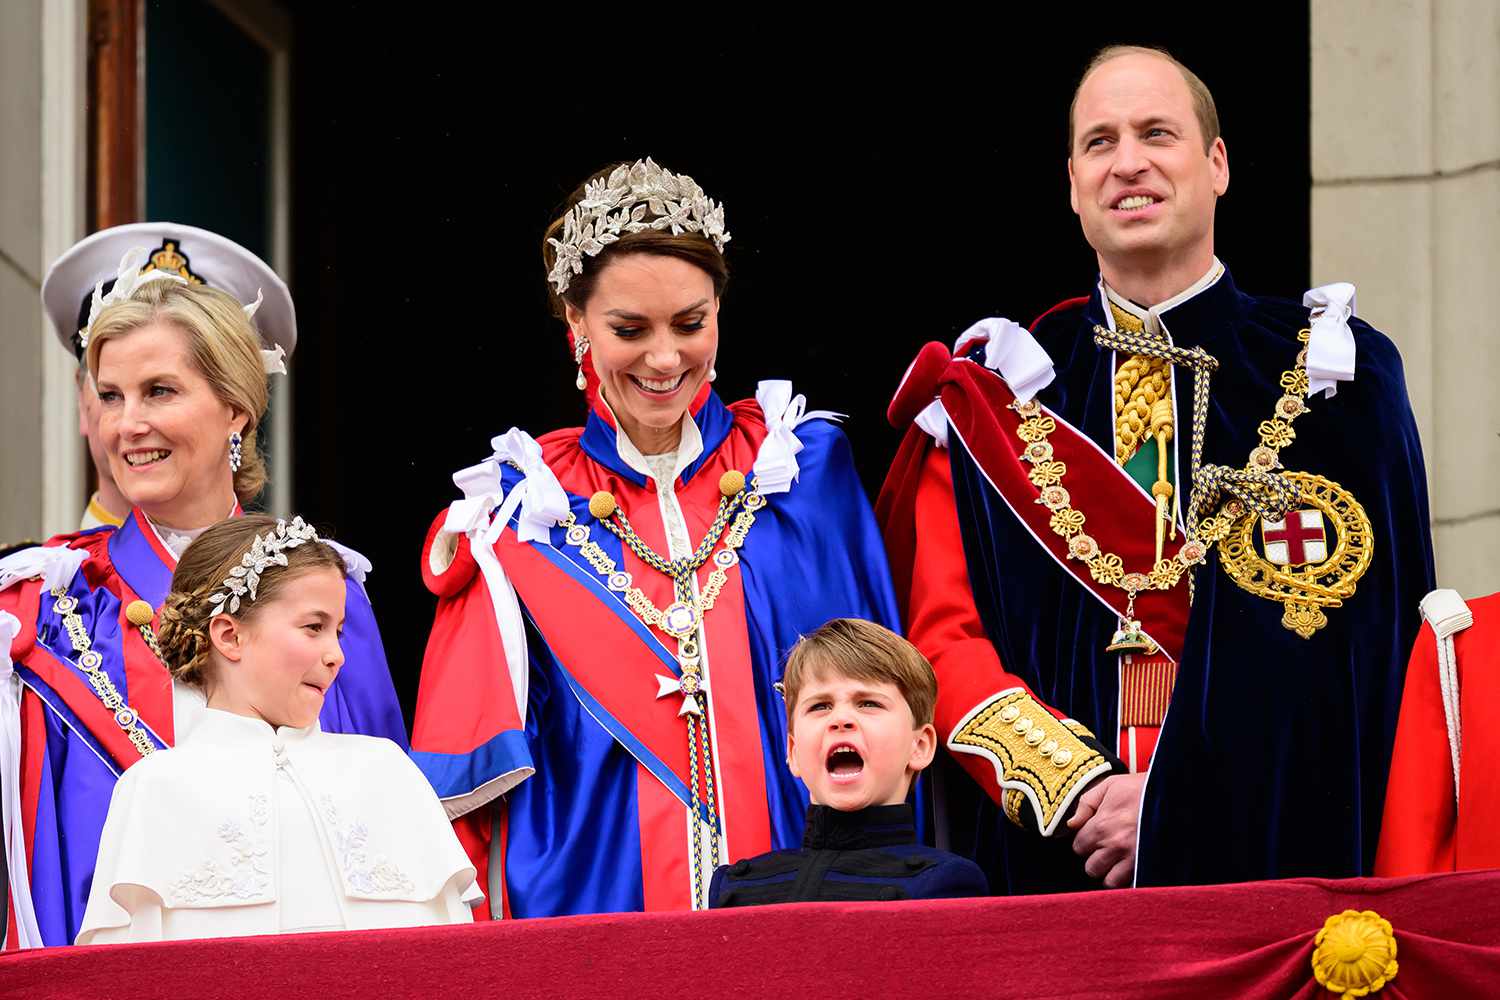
{"points": [[1354, 954]]}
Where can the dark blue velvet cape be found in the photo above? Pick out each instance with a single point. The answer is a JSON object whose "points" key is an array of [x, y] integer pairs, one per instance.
{"points": [[1274, 754]]}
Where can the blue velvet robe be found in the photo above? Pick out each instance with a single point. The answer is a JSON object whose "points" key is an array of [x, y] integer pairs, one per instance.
{"points": [[1273, 756]]}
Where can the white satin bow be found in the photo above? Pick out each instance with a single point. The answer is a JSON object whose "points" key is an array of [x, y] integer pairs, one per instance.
{"points": [[55, 564], [1330, 344], [1011, 350], [775, 466], [539, 495], [482, 493], [542, 503]]}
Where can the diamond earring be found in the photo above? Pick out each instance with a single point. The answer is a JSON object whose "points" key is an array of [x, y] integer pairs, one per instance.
{"points": [[578, 353], [236, 456]]}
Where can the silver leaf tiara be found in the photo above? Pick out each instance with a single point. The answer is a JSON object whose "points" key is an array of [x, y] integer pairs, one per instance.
{"points": [[619, 204], [266, 551]]}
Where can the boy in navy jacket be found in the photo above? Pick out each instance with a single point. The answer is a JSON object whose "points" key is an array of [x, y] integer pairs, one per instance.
{"points": [[859, 702]]}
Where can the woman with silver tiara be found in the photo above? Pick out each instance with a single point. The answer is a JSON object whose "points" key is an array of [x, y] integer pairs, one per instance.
{"points": [[598, 708], [176, 350]]}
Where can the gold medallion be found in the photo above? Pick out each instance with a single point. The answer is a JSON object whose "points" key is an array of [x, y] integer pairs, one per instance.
{"points": [[1294, 562]]}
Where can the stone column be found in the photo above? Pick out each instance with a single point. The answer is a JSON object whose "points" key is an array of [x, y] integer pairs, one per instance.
{"points": [[1406, 204], [42, 75]]}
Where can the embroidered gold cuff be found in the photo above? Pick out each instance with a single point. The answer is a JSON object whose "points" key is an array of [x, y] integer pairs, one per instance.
{"points": [[1035, 756]]}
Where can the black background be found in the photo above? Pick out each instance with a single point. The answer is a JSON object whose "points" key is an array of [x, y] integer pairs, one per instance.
{"points": [[884, 188]]}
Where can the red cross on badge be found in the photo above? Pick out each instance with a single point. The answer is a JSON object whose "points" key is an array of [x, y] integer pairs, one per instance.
{"points": [[1297, 540]]}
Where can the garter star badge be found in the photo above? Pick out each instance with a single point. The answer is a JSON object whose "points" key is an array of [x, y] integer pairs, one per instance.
{"points": [[1294, 562]]}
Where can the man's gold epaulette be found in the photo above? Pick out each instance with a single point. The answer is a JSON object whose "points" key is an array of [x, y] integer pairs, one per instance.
{"points": [[1038, 758]]}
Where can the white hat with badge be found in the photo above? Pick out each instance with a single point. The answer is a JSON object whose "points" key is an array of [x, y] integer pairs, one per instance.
{"points": [[129, 254]]}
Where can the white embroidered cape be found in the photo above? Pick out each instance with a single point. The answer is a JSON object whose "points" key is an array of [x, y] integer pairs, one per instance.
{"points": [[242, 829]]}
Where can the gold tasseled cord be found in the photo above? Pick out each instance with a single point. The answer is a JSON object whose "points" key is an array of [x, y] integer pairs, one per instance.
{"points": [[1140, 383]]}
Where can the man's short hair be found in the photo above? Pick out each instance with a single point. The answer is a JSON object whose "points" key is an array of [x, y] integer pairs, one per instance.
{"points": [[1204, 108], [864, 651]]}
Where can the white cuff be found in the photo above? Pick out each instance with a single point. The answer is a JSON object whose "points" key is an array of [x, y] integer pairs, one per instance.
{"points": [[934, 420]]}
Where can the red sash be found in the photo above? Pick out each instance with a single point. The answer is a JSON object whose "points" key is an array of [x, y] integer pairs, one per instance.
{"points": [[1118, 510]]}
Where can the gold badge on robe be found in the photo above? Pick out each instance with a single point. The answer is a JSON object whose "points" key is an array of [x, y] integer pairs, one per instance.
{"points": [[1295, 560]]}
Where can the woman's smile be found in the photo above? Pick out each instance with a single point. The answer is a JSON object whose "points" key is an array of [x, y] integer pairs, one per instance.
{"points": [[661, 387]]}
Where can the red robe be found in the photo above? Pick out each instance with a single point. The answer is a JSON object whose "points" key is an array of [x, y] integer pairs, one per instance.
{"points": [[1426, 827]]}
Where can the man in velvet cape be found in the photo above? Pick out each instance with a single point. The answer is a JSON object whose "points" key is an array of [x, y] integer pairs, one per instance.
{"points": [[1234, 720]]}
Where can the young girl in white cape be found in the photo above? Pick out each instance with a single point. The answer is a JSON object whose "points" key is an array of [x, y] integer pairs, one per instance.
{"points": [[259, 822]]}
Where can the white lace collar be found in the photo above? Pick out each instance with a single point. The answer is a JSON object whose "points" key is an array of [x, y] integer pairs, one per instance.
{"points": [[176, 542]]}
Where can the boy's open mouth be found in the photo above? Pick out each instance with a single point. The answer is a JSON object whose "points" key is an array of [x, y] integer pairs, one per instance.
{"points": [[844, 762]]}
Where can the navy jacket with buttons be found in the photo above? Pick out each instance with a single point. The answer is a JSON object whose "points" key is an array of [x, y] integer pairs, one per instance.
{"points": [[866, 854]]}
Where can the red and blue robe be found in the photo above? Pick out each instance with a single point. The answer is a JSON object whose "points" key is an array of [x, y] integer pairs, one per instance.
{"points": [[602, 825], [1272, 757], [73, 750]]}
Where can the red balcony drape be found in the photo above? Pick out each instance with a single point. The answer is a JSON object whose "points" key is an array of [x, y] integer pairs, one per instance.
{"points": [[1244, 941]]}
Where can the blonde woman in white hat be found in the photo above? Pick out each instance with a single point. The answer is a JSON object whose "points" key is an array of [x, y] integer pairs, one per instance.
{"points": [[181, 331]]}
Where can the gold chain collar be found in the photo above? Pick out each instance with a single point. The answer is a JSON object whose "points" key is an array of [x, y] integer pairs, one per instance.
{"points": [[1047, 474], [681, 620]]}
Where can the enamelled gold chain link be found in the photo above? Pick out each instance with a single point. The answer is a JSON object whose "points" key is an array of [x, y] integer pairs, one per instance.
{"points": [[92, 665], [682, 620], [1256, 487]]}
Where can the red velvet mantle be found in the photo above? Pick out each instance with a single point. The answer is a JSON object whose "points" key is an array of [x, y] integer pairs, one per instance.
{"points": [[1245, 941]]}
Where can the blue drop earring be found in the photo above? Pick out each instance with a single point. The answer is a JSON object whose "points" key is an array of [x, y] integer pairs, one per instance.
{"points": [[236, 456]]}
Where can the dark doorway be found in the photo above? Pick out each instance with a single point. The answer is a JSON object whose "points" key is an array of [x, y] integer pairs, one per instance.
{"points": [[882, 191]]}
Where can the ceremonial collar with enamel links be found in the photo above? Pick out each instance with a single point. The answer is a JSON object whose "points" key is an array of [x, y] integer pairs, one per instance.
{"points": [[681, 620], [89, 660], [1255, 490]]}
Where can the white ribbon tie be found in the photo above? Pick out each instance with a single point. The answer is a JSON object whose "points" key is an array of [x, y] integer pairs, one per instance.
{"points": [[776, 466], [1330, 344], [1010, 350]]}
